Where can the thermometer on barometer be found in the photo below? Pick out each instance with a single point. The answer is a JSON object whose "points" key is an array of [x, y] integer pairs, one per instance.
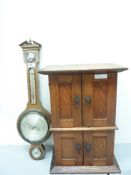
{"points": [[34, 122], [32, 87]]}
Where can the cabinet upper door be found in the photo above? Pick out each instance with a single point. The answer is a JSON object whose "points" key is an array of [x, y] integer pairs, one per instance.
{"points": [[65, 94], [99, 99]]}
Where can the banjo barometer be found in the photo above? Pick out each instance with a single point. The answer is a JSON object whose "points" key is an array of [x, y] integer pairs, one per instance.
{"points": [[33, 123]]}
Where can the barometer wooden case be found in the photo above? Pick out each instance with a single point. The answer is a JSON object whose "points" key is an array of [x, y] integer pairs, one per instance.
{"points": [[34, 122], [83, 107]]}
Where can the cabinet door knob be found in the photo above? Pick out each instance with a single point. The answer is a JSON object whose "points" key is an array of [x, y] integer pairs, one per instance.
{"points": [[88, 100], [78, 148], [77, 101], [87, 147]]}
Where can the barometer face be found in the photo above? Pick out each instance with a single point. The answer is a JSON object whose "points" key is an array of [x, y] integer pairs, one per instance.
{"points": [[33, 126]]}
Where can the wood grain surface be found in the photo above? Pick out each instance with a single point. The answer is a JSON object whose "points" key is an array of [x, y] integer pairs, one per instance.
{"points": [[82, 68]]}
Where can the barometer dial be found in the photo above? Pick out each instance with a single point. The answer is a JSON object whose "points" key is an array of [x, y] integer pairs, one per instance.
{"points": [[33, 126]]}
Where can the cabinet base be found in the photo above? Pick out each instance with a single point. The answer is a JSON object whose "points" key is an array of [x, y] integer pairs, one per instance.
{"points": [[84, 169]]}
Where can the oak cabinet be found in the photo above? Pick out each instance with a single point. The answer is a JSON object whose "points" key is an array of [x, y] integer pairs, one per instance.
{"points": [[83, 109]]}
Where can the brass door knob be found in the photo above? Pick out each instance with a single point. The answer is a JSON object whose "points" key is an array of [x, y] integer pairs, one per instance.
{"points": [[77, 101], [87, 147], [78, 148], [88, 100]]}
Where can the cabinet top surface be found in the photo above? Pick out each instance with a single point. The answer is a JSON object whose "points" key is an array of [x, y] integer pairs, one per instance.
{"points": [[81, 68]]}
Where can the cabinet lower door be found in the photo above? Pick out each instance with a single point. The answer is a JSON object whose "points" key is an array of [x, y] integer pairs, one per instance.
{"points": [[68, 148], [98, 148]]}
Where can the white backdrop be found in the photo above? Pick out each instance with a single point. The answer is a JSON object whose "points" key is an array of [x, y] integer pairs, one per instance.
{"points": [[71, 32]]}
